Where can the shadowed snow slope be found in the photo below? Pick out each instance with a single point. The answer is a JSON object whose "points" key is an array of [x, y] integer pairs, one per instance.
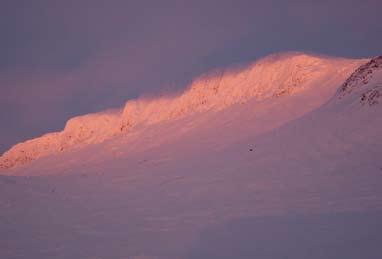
{"points": [[294, 176], [276, 76]]}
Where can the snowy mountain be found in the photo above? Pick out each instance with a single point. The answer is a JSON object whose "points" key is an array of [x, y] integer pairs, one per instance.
{"points": [[275, 76], [281, 159]]}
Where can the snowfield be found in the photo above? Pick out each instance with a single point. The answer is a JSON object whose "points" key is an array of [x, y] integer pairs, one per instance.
{"points": [[282, 159]]}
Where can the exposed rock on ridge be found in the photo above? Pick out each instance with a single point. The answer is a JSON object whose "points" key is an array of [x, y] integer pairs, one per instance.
{"points": [[365, 84]]}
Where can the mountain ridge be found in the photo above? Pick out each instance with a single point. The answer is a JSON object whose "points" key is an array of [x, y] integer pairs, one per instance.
{"points": [[271, 77]]}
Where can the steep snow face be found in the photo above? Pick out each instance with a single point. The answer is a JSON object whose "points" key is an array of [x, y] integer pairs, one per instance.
{"points": [[273, 76], [364, 86], [270, 78], [79, 131]]}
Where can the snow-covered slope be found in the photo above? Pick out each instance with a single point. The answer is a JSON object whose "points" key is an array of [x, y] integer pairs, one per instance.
{"points": [[296, 176], [79, 131], [275, 76]]}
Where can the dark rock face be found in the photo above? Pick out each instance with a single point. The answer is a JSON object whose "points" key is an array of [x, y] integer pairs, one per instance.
{"points": [[361, 78], [372, 96]]}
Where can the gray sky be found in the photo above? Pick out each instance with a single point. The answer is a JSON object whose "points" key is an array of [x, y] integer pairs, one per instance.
{"points": [[65, 58]]}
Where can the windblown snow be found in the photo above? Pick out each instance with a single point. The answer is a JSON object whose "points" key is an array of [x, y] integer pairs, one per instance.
{"points": [[272, 77], [280, 159]]}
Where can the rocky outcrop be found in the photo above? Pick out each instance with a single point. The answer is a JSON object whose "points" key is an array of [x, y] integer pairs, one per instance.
{"points": [[365, 84]]}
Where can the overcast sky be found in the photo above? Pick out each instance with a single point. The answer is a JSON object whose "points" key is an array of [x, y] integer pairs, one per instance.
{"points": [[64, 58]]}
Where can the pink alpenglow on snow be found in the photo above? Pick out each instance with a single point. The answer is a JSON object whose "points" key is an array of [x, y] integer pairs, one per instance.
{"points": [[272, 77]]}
